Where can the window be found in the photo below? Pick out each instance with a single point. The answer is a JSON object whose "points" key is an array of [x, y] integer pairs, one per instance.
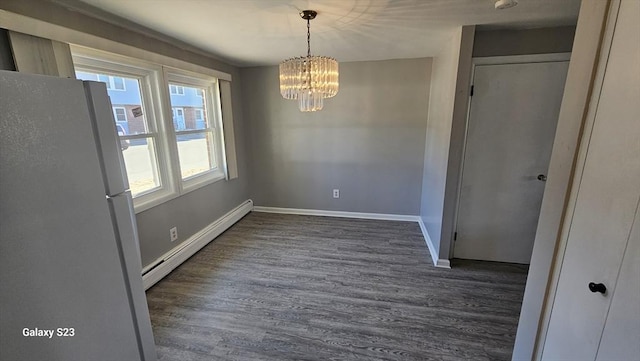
{"points": [[168, 120], [113, 82], [117, 83], [196, 117], [176, 89], [199, 114], [120, 114], [137, 125]]}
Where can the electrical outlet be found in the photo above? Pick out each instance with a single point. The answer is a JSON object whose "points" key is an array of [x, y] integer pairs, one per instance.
{"points": [[336, 193], [173, 232]]}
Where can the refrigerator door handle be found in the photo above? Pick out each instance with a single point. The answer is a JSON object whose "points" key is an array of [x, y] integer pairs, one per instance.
{"points": [[121, 207], [107, 141]]}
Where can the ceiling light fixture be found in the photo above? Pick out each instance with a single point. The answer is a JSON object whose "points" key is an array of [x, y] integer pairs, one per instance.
{"points": [[309, 79], [505, 4]]}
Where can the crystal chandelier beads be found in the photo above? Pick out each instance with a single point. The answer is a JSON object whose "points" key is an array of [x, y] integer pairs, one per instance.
{"points": [[309, 79]]}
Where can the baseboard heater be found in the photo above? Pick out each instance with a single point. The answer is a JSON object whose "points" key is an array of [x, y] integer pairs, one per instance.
{"points": [[162, 266]]}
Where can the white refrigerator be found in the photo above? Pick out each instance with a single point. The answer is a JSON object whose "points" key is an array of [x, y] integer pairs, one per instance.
{"points": [[70, 269]]}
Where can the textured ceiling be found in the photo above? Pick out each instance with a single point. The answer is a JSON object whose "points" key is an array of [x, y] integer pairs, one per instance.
{"points": [[261, 32]]}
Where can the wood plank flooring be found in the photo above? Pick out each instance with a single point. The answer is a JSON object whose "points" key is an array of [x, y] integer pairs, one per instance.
{"points": [[287, 287]]}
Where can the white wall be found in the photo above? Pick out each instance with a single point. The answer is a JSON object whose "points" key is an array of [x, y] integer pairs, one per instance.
{"points": [[570, 122], [436, 154]]}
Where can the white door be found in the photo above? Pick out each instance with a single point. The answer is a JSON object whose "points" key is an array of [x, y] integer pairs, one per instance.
{"points": [[178, 119], [602, 244], [512, 123]]}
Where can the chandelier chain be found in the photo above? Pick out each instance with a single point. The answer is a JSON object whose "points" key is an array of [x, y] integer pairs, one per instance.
{"points": [[308, 37]]}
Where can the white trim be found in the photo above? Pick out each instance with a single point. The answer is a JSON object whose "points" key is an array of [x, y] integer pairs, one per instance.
{"points": [[604, 52], [213, 130], [162, 266], [31, 26], [443, 263], [438, 262], [229, 143], [341, 214]]}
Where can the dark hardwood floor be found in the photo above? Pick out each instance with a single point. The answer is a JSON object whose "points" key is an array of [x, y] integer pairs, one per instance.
{"points": [[286, 287]]}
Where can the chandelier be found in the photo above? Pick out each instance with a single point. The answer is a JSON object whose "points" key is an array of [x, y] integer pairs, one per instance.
{"points": [[309, 79]]}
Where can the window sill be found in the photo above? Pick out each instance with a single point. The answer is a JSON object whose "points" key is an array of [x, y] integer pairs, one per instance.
{"points": [[159, 197], [151, 200], [202, 180]]}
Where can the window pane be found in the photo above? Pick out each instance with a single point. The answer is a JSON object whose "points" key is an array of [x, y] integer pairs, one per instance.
{"points": [[189, 111], [141, 163], [118, 83], [176, 89], [139, 154], [125, 94], [200, 118], [120, 114], [196, 153]]}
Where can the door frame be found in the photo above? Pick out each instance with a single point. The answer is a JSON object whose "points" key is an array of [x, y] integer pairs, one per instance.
{"points": [[492, 60]]}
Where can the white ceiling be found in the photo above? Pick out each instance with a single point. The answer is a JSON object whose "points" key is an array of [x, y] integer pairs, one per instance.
{"points": [[262, 32]]}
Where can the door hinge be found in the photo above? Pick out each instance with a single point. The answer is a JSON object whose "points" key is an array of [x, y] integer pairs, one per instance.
{"points": [[471, 91], [455, 236]]}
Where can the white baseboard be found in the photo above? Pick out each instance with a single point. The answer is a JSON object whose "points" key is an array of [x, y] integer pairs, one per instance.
{"points": [[172, 259], [341, 214], [443, 263], [175, 257], [438, 262]]}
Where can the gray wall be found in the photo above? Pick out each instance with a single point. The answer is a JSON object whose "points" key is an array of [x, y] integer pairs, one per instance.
{"points": [[368, 141], [448, 114], [521, 42], [438, 134], [192, 211]]}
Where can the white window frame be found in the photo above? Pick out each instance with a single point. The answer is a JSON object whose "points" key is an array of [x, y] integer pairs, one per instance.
{"points": [[156, 98], [115, 113], [111, 83], [213, 114], [151, 78], [199, 111], [179, 90]]}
